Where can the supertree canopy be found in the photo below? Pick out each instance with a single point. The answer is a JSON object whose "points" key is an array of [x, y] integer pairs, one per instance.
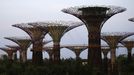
{"points": [[16, 48], [9, 51], [37, 35], [24, 43], [112, 39], [129, 44], [104, 12], [77, 50], [94, 17], [56, 30], [13, 46]]}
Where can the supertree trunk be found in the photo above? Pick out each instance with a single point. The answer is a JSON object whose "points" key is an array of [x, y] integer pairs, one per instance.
{"points": [[37, 52], [77, 55], [94, 18], [20, 57], [15, 56], [105, 64], [129, 56], [10, 56], [51, 56], [114, 69], [56, 52], [94, 49], [24, 56]]}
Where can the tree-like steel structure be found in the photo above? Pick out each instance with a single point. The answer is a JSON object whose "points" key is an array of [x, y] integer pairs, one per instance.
{"points": [[94, 17], [24, 43], [105, 51], [56, 30], [37, 34], [77, 50], [50, 52], [9, 51], [129, 44], [112, 39], [17, 48]]}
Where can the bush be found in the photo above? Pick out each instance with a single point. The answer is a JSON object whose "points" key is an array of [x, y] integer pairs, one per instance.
{"points": [[66, 67]]}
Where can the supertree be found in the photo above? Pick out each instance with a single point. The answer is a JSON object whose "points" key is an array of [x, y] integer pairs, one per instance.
{"points": [[24, 43], [77, 50], [17, 48], [37, 34], [56, 30], [49, 50], [112, 39], [105, 51], [129, 44], [9, 51], [94, 17]]}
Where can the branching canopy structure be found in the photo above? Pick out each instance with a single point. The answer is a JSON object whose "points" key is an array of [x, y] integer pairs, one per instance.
{"points": [[129, 44], [112, 39], [13, 46], [37, 34], [105, 51], [77, 50], [56, 30], [24, 43], [94, 17], [9, 51], [104, 12]]}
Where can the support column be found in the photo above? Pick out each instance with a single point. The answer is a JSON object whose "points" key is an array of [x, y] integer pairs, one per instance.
{"points": [[77, 51], [10, 54], [129, 55], [114, 68], [94, 17], [37, 52], [105, 60], [56, 52], [94, 49], [15, 56]]}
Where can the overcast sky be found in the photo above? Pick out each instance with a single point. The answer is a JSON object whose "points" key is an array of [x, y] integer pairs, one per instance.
{"points": [[23, 11]]}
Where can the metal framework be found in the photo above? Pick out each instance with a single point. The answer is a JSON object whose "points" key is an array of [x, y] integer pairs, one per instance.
{"points": [[105, 51], [47, 41], [9, 51], [24, 43], [37, 34], [13, 46], [77, 51], [17, 48], [94, 17], [112, 39], [56, 30], [50, 52], [129, 44]]}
